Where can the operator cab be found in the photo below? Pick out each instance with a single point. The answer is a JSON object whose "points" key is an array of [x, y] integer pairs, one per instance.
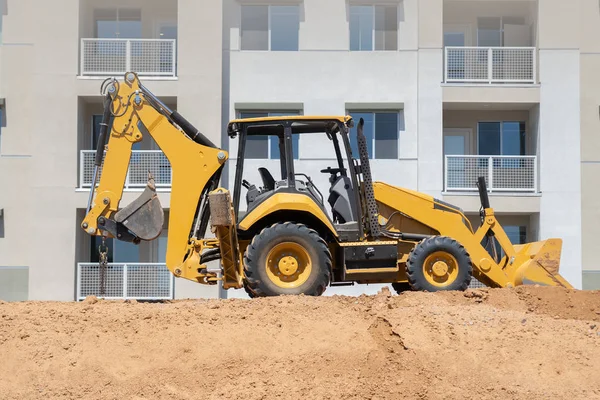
{"points": [[342, 197]]}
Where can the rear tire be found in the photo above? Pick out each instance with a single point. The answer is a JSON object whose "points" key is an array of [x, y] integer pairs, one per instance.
{"points": [[439, 263], [287, 259]]}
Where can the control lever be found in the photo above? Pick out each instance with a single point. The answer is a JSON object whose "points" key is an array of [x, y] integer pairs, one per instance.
{"points": [[246, 184]]}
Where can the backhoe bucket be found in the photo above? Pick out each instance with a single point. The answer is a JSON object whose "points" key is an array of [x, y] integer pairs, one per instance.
{"points": [[144, 217], [540, 265]]}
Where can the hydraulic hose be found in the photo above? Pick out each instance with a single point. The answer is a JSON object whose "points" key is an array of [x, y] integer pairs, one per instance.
{"points": [[100, 146], [189, 129], [103, 128]]}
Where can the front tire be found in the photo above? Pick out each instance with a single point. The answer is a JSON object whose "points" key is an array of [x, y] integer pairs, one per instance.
{"points": [[439, 263], [287, 259]]}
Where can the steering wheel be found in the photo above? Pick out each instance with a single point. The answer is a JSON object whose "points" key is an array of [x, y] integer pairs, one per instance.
{"points": [[332, 171]]}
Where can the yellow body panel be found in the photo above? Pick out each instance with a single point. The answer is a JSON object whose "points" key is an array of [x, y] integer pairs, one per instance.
{"points": [[531, 263], [285, 202]]}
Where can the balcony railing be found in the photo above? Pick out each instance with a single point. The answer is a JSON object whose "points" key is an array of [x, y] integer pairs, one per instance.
{"points": [[502, 173], [490, 65], [140, 281], [146, 57], [140, 163]]}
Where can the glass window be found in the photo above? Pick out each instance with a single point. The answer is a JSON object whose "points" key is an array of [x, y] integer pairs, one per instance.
{"points": [[257, 146], [386, 135], [381, 134], [267, 147], [126, 252], [505, 138], [285, 27], [255, 28], [123, 23], [513, 138], [517, 234], [386, 28], [361, 28], [373, 28], [489, 138], [273, 28], [489, 32]]}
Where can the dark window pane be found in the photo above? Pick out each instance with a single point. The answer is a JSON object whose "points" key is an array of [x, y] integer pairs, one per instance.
{"points": [[367, 130], [285, 25], [255, 28], [386, 28], [361, 28], [513, 139], [274, 140], [386, 135], [256, 145], [489, 138]]}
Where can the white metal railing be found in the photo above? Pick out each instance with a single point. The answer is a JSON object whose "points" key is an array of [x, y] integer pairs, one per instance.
{"points": [[146, 57], [140, 281], [490, 65], [502, 173], [140, 163]]}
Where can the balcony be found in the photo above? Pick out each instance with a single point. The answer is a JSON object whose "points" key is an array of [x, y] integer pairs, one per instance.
{"points": [[502, 173], [490, 65], [147, 57], [140, 163], [140, 281]]}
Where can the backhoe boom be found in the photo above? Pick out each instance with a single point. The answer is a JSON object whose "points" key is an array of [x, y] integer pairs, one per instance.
{"points": [[196, 166]]}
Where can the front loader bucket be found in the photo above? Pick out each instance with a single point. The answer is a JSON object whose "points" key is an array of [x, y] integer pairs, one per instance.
{"points": [[144, 217], [540, 264]]}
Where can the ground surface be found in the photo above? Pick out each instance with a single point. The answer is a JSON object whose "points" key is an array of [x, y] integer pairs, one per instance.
{"points": [[535, 343]]}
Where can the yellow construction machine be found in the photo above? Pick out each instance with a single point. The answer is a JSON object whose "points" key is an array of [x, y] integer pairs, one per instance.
{"points": [[286, 242]]}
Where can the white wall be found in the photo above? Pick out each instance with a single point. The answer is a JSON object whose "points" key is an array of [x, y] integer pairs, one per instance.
{"points": [[324, 77], [560, 182]]}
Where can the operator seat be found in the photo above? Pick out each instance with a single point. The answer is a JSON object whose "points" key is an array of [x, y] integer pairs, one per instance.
{"points": [[341, 200], [267, 178]]}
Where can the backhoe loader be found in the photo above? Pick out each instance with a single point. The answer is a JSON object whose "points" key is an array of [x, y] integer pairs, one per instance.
{"points": [[286, 241]]}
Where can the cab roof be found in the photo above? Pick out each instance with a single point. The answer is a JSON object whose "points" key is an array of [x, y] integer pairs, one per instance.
{"points": [[300, 124]]}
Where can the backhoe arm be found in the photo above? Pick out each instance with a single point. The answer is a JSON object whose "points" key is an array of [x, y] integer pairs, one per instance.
{"points": [[196, 166]]}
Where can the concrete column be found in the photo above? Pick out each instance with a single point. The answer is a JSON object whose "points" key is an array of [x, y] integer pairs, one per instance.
{"points": [[430, 71], [200, 49], [200, 30], [560, 158]]}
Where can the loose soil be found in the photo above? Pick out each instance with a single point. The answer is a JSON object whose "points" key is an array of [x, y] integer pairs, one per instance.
{"points": [[523, 343]]}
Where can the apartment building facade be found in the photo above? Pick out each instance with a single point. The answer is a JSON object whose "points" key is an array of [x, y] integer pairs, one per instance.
{"points": [[449, 90]]}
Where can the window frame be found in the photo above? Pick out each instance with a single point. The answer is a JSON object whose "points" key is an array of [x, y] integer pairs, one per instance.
{"points": [[373, 26], [269, 113], [269, 26], [374, 140]]}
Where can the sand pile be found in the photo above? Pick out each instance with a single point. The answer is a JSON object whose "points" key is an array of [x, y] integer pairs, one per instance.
{"points": [[525, 343]]}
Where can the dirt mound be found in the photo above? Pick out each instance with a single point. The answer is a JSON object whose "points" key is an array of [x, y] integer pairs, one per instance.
{"points": [[525, 343]]}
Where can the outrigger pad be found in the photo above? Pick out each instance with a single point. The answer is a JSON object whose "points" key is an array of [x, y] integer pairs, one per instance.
{"points": [[144, 217]]}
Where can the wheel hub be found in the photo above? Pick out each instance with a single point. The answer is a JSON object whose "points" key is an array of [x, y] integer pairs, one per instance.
{"points": [[288, 265], [440, 268]]}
